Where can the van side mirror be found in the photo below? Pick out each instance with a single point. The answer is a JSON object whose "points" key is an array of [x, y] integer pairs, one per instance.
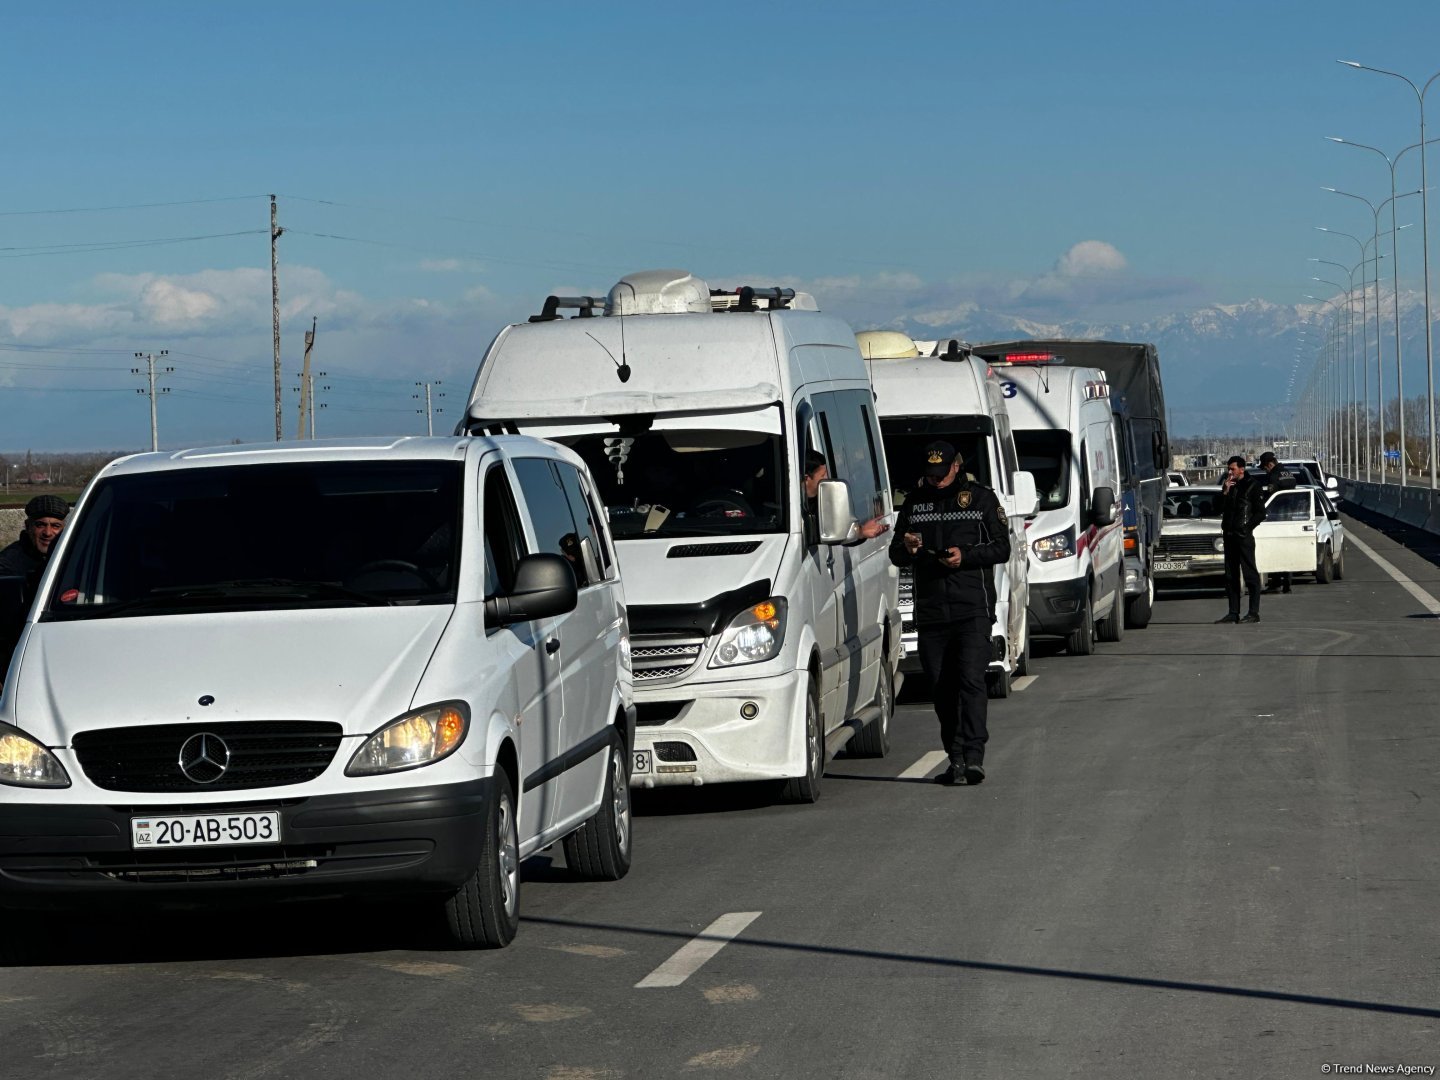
{"points": [[544, 588], [836, 516], [1027, 500], [1331, 484], [1102, 506]]}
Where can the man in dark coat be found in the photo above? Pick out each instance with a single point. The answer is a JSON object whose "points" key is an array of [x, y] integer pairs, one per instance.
{"points": [[1242, 508], [951, 531], [44, 519]]}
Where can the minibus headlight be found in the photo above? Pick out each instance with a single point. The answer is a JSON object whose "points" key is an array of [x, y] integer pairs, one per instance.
{"points": [[1059, 545], [26, 763], [1219, 543], [419, 738], [754, 635]]}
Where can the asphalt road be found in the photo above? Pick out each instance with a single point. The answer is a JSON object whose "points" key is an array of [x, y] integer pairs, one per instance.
{"points": [[1206, 851]]}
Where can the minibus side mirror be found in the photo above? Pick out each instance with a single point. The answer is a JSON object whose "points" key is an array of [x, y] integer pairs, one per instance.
{"points": [[544, 588], [1102, 506], [1027, 501], [836, 516], [1331, 484]]}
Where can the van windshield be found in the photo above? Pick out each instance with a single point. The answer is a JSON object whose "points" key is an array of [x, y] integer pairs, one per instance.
{"points": [[906, 438], [687, 482], [263, 537], [1046, 456]]}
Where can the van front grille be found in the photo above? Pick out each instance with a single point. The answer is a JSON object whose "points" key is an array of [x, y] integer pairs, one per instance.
{"points": [[656, 658], [268, 753]]}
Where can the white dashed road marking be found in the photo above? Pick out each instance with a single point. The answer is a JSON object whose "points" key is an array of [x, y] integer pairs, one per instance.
{"points": [[694, 954], [1428, 602], [1023, 682], [925, 766]]}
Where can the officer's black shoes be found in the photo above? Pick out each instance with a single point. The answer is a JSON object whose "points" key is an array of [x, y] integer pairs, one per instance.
{"points": [[1285, 588], [974, 772], [1254, 616], [1232, 617], [952, 775]]}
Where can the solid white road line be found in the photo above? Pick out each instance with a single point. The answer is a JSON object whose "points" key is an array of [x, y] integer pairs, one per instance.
{"points": [[1428, 602], [691, 956], [1023, 682], [926, 765]]}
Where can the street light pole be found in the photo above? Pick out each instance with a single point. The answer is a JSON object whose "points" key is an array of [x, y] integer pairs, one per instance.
{"points": [[1349, 440], [1424, 245], [1364, 340]]}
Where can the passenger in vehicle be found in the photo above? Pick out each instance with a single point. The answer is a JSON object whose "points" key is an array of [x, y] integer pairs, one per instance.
{"points": [[952, 531], [817, 470]]}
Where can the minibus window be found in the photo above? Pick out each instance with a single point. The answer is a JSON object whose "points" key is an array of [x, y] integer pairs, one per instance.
{"points": [[504, 540], [1046, 456]]}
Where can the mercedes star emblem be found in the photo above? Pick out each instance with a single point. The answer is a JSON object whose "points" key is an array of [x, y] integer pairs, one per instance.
{"points": [[204, 758]]}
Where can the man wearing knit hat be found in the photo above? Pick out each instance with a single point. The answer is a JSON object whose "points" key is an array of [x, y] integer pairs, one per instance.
{"points": [[44, 518]]}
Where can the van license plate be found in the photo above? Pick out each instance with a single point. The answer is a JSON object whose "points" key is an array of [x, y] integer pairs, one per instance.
{"points": [[639, 762], [204, 830]]}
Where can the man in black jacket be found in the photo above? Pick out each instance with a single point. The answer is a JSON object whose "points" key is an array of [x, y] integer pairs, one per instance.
{"points": [[1242, 507], [44, 519], [951, 531], [1276, 478]]}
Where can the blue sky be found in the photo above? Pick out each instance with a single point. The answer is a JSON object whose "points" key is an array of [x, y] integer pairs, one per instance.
{"points": [[475, 157]]}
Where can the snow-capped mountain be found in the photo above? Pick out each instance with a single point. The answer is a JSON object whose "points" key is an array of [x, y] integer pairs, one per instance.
{"points": [[1224, 363]]}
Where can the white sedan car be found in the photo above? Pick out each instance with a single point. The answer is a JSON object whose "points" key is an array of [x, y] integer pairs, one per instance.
{"points": [[1190, 543], [1302, 534]]}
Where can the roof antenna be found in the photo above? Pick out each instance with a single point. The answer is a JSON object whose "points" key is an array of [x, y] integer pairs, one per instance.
{"points": [[622, 369]]}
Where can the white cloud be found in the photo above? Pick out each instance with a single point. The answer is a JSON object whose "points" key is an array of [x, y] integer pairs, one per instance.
{"points": [[1090, 257]]}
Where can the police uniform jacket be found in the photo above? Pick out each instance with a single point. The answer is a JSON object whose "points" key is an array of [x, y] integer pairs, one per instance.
{"points": [[966, 515], [1277, 479]]}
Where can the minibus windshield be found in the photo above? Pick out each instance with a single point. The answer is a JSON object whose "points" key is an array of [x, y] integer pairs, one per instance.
{"points": [[687, 481], [232, 538], [1046, 456]]}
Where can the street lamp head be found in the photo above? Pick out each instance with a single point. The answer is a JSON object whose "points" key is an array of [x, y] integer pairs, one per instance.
{"points": [[1335, 190], [1334, 138], [1350, 63]]}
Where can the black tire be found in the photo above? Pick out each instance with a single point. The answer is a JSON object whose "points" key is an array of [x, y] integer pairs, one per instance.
{"points": [[26, 939], [997, 684], [873, 740], [806, 788], [1340, 566], [1112, 627], [484, 913], [1138, 609], [1081, 640], [1325, 572], [1022, 662], [600, 849]]}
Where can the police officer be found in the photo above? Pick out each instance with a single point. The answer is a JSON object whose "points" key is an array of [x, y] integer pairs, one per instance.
{"points": [[1276, 478], [1242, 508], [952, 530]]}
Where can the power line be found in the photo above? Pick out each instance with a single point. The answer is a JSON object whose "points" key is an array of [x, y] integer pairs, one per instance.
{"points": [[38, 250], [126, 206]]}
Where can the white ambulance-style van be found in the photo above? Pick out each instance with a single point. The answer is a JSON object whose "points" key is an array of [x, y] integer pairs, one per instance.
{"points": [[734, 443], [1065, 437], [947, 394]]}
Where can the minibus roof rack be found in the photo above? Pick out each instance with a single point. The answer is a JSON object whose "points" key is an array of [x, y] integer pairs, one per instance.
{"points": [[776, 298], [588, 306]]}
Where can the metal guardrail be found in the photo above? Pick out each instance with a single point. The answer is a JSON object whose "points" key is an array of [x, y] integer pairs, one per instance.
{"points": [[1415, 506]]}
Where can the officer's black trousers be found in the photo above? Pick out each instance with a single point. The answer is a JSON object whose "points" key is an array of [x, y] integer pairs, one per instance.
{"points": [[954, 657], [1240, 559]]}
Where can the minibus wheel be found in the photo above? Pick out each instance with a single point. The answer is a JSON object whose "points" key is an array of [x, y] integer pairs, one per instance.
{"points": [[600, 849], [484, 912], [806, 789], [873, 740], [1081, 640]]}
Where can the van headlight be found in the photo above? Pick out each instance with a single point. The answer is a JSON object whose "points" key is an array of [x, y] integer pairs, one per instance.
{"points": [[754, 635], [1059, 545], [1219, 543], [419, 738], [26, 763]]}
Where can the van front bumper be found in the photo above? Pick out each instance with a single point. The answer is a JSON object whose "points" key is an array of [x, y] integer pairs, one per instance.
{"points": [[425, 839], [1057, 607]]}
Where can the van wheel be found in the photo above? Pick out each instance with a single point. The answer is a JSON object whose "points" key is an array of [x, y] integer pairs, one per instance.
{"points": [[1139, 608], [806, 789], [484, 913], [997, 684], [873, 740], [1340, 566], [1022, 662], [1112, 627], [600, 849], [1325, 572], [1081, 640]]}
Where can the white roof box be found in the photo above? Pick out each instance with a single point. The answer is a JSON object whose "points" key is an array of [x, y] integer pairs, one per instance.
{"points": [[658, 292], [886, 345]]}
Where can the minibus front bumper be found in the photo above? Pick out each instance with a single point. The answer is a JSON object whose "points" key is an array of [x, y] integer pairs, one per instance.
{"points": [[1057, 607]]}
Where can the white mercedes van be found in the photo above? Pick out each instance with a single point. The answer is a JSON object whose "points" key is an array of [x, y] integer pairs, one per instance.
{"points": [[1065, 436], [947, 394], [321, 669], [764, 625]]}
